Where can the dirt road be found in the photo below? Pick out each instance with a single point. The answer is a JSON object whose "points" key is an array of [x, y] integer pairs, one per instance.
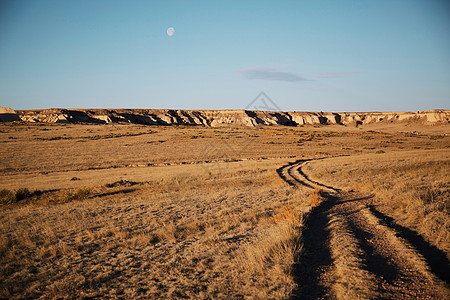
{"points": [[353, 249]]}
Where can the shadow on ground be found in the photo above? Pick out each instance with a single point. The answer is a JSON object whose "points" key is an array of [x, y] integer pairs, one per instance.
{"points": [[315, 255], [435, 258]]}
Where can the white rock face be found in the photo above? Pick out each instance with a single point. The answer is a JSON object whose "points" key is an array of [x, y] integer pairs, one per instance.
{"points": [[215, 118], [103, 118]]}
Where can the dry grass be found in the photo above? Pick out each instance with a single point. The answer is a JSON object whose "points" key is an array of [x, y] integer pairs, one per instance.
{"points": [[415, 184], [8, 197], [353, 281], [314, 197], [158, 214], [416, 261], [136, 145], [286, 214], [180, 236], [76, 194], [274, 255]]}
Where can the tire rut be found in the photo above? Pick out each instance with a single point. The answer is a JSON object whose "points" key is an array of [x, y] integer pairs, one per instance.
{"points": [[351, 250]]}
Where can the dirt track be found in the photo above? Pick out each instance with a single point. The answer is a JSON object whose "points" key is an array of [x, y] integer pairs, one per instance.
{"points": [[353, 249]]}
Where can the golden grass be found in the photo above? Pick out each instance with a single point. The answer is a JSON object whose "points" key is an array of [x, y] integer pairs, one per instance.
{"points": [[27, 153], [414, 183], [314, 197], [353, 281], [274, 255], [8, 197], [191, 230], [76, 194], [286, 214], [158, 214]]}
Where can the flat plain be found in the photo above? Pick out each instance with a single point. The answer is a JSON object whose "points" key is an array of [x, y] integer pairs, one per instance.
{"points": [[138, 211]]}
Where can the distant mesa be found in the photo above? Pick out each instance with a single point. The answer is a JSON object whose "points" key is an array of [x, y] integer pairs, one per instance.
{"points": [[214, 118], [8, 115]]}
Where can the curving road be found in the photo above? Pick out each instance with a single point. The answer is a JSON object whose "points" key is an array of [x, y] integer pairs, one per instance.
{"points": [[353, 251]]}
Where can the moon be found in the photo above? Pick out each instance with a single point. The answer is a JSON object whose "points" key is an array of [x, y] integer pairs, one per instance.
{"points": [[170, 31]]}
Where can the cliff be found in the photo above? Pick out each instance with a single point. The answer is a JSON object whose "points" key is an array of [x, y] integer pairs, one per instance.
{"points": [[215, 118], [8, 115]]}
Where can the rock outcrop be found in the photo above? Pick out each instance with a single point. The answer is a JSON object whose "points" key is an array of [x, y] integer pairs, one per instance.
{"points": [[215, 118], [8, 115]]}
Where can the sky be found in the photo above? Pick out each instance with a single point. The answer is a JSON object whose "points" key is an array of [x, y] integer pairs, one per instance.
{"points": [[304, 55]]}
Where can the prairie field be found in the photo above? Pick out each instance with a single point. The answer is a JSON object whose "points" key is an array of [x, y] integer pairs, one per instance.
{"points": [[136, 211]]}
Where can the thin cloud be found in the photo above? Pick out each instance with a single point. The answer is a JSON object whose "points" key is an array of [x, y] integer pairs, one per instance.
{"points": [[325, 75], [267, 73]]}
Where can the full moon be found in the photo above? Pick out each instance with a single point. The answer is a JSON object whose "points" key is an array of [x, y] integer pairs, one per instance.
{"points": [[170, 31]]}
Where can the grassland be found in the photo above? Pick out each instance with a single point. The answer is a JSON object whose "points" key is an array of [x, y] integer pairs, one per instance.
{"points": [[415, 184], [137, 211]]}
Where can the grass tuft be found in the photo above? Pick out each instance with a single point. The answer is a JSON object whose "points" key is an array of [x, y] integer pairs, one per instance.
{"points": [[78, 194], [286, 213], [314, 198], [7, 197], [22, 193]]}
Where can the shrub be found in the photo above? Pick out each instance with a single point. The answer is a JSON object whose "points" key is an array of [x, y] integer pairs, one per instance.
{"points": [[307, 138], [314, 198], [287, 213], [78, 194], [22, 193], [379, 151], [6, 197]]}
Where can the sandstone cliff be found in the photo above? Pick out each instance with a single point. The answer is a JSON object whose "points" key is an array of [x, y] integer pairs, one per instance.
{"points": [[8, 115], [215, 118]]}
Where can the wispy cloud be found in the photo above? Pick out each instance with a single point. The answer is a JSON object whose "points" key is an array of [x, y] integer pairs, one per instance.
{"points": [[277, 74], [270, 73], [324, 75]]}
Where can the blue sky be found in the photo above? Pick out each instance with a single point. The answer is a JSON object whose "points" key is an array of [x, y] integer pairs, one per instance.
{"points": [[305, 55]]}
